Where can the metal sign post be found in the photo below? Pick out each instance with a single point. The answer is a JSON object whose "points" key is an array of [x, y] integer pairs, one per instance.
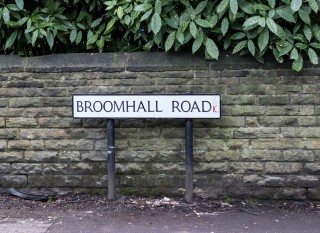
{"points": [[189, 160], [110, 107], [111, 160]]}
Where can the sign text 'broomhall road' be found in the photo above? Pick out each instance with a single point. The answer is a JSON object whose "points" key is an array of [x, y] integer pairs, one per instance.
{"points": [[146, 106]]}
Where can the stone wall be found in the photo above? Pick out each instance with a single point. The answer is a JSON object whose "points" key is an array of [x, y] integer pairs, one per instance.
{"points": [[267, 144]]}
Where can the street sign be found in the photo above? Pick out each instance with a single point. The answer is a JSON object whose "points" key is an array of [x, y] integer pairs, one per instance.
{"points": [[192, 106]]}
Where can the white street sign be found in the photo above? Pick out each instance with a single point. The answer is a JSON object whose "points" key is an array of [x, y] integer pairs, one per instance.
{"points": [[206, 106]]}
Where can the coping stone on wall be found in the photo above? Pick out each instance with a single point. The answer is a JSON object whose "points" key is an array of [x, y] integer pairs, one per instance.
{"points": [[140, 61], [161, 61]]}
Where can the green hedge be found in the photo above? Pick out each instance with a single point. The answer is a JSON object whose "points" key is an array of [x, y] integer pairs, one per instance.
{"points": [[290, 29]]}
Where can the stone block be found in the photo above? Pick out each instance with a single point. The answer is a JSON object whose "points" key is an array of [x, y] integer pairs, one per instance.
{"points": [[215, 156], [248, 110], [225, 122], [260, 155], [96, 156], [298, 155], [21, 122], [308, 121], [5, 168], [278, 143], [12, 156], [69, 156], [300, 132], [291, 194], [265, 180], [167, 168], [260, 132], [313, 144], [312, 168], [283, 168], [274, 121], [215, 133], [274, 100], [69, 145], [252, 122], [87, 168], [26, 168], [313, 193], [246, 167], [2, 122], [238, 99], [17, 181], [210, 168], [3, 102], [9, 133], [43, 133], [130, 168], [305, 181], [41, 156], [306, 99]]}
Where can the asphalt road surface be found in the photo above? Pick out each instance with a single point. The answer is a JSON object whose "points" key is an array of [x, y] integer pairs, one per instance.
{"points": [[132, 215]]}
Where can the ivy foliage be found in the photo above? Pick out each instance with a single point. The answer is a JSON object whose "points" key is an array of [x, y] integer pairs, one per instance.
{"points": [[290, 29]]}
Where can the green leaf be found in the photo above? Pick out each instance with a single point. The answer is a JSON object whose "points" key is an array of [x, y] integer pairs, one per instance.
{"points": [[223, 5], [11, 40], [34, 37], [100, 43], [79, 37], [314, 5], [20, 4], [156, 23], [96, 22], [158, 7], [272, 3], [197, 43], [239, 46], [201, 6], [298, 63], [251, 21], [50, 39], [6, 14], [170, 41], [316, 32], [234, 6], [224, 25], [294, 55], [272, 25], [73, 35], [285, 49], [142, 7], [313, 56], [148, 46], [212, 48], [193, 29], [110, 25], [92, 39], [185, 2], [146, 15], [203, 23], [251, 47], [238, 36], [304, 16], [307, 32], [180, 36], [296, 5], [120, 12], [263, 39], [315, 45], [286, 13]]}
